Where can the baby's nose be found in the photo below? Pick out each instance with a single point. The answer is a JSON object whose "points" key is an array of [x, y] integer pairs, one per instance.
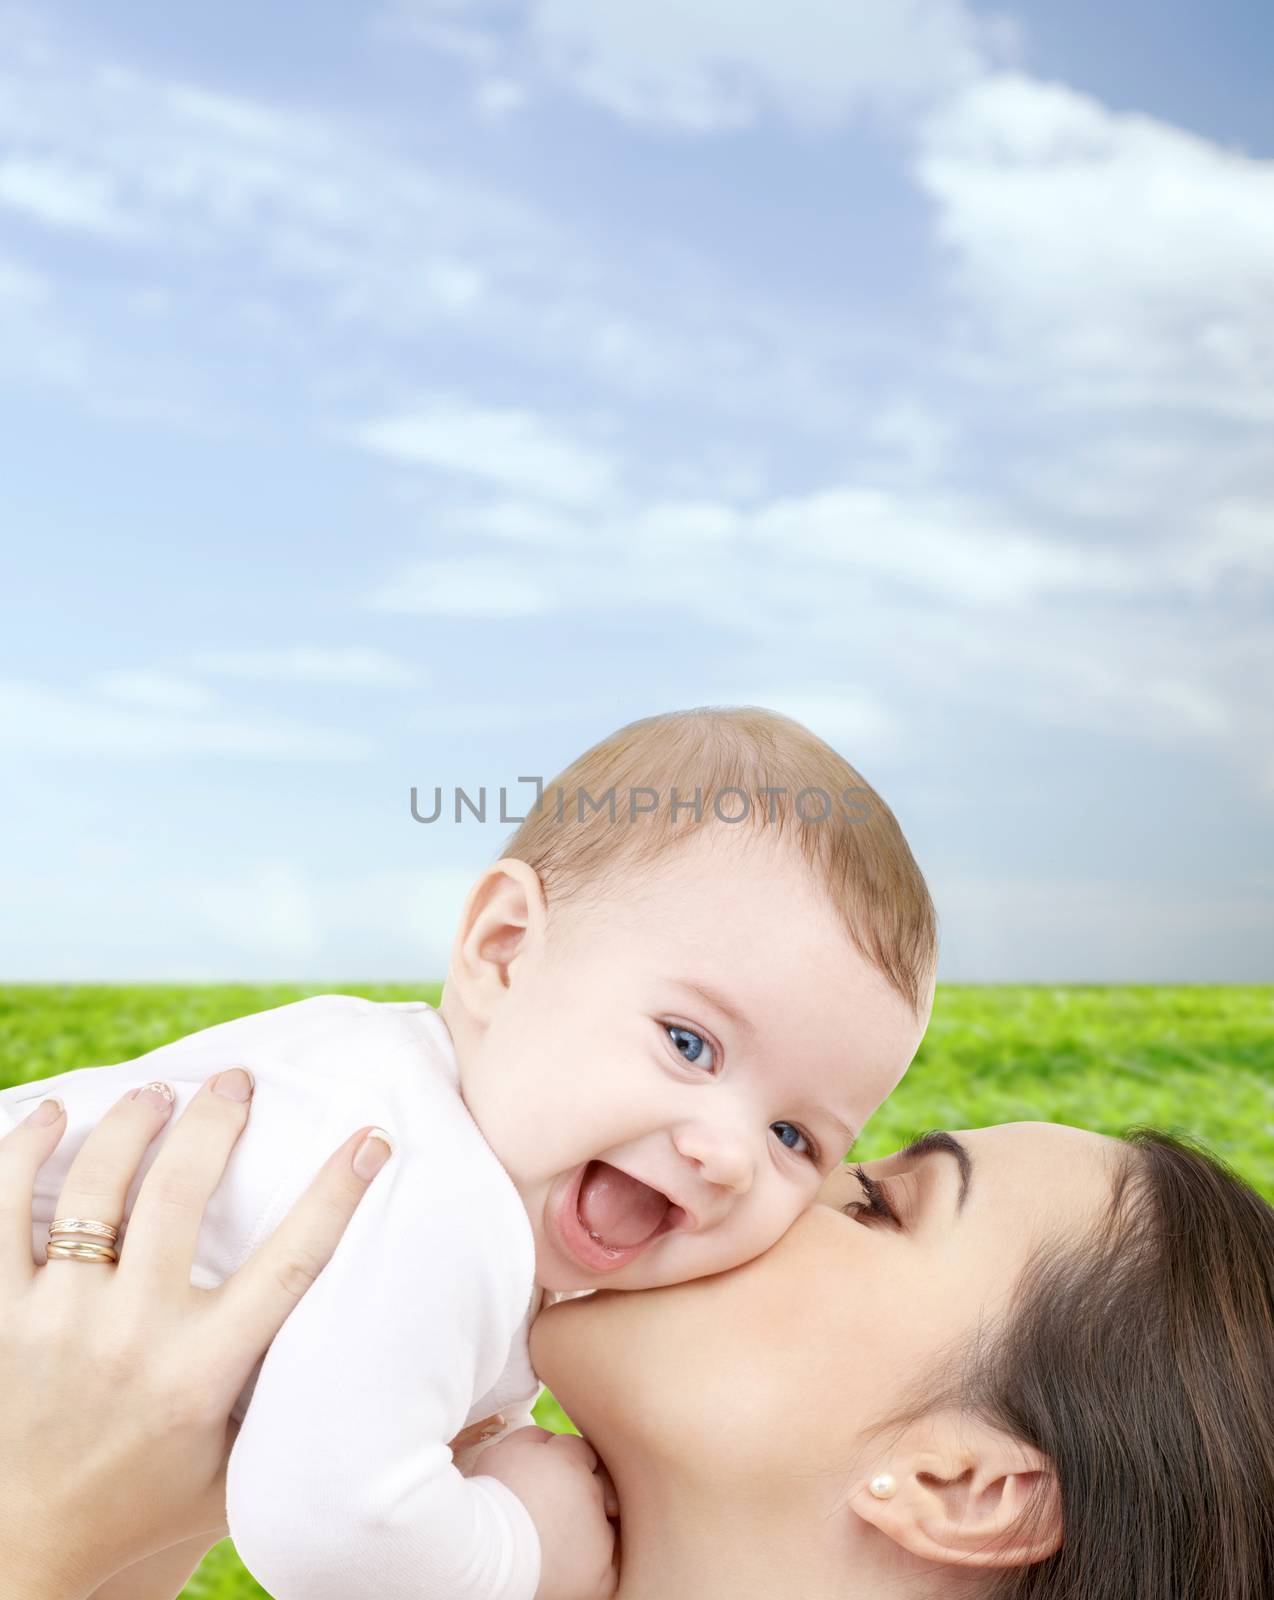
{"points": [[723, 1157]]}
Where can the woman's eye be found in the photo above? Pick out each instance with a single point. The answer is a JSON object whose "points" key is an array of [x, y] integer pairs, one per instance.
{"points": [[877, 1205], [791, 1136], [693, 1046]]}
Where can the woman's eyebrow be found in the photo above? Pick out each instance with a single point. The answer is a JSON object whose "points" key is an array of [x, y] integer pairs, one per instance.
{"points": [[939, 1142]]}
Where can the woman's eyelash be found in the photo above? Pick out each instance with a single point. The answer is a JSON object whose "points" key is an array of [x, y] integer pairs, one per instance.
{"points": [[877, 1202]]}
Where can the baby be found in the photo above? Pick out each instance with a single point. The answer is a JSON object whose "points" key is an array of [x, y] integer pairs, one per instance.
{"points": [[662, 1027]]}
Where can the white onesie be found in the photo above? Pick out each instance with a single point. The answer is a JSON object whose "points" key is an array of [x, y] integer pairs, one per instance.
{"points": [[341, 1484]]}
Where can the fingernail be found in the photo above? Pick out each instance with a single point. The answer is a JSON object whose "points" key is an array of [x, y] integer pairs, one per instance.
{"points": [[158, 1095], [236, 1084], [47, 1111], [372, 1154]]}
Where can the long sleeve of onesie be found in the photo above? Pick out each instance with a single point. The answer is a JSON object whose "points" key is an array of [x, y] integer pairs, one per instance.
{"points": [[341, 1485]]}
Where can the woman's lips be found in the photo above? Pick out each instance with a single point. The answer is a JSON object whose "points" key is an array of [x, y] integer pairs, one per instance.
{"points": [[585, 1247]]}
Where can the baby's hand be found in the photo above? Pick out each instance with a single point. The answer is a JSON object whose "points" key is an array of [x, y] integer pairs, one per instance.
{"points": [[560, 1481]]}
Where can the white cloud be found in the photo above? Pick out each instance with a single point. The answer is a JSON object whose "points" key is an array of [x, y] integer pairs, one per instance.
{"points": [[335, 247], [1078, 930], [351, 667], [914, 433], [717, 65], [852, 719], [476, 588], [278, 920], [506, 716], [517, 521], [34, 343], [1109, 251], [62, 197], [1153, 473], [302, 199], [1002, 618], [1236, 547], [511, 448], [1168, 676], [498, 98], [53, 722], [1164, 706], [155, 691], [681, 523], [956, 546], [270, 913], [20, 286]]}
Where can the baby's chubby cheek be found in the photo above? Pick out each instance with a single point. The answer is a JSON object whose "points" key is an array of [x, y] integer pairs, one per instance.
{"points": [[759, 1228], [682, 1257]]}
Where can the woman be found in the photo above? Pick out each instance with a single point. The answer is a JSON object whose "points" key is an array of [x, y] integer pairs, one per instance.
{"points": [[1027, 1361]]}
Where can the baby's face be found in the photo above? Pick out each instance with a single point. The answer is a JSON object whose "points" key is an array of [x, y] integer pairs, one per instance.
{"points": [[671, 1074]]}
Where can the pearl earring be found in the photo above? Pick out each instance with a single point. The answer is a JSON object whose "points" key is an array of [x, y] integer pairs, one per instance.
{"points": [[883, 1486]]}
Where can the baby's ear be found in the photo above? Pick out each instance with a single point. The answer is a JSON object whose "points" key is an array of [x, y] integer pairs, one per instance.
{"points": [[504, 918], [953, 1489]]}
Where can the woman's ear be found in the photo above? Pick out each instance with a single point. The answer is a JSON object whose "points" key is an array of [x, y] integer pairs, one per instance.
{"points": [[504, 919], [953, 1489]]}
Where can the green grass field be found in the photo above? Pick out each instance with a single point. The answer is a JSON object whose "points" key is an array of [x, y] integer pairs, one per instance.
{"points": [[1198, 1059]]}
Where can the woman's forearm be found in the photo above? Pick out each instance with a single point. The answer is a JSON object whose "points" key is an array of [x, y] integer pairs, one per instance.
{"points": [[36, 1570], [161, 1576]]}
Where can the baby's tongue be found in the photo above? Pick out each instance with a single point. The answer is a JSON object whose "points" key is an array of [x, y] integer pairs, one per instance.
{"points": [[619, 1210]]}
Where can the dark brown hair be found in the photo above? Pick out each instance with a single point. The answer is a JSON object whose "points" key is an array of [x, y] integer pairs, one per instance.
{"points": [[1141, 1363], [758, 767]]}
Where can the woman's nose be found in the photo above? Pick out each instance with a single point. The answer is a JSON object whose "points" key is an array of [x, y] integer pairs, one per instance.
{"points": [[722, 1156]]}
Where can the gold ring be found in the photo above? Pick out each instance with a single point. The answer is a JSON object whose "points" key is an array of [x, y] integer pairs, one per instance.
{"points": [[66, 1250], [64, 1225]]}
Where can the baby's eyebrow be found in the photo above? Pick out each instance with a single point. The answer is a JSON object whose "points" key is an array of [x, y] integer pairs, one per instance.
{"points": [[721, 1003], [850, 1135]]}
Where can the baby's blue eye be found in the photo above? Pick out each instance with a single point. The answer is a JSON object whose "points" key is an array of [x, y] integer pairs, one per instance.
{"points": [[791, 1136], [692, 1045]]}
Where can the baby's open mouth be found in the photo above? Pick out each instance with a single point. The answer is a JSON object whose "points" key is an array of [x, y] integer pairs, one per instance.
{"points": [[617, 1211], [605, 1217]]}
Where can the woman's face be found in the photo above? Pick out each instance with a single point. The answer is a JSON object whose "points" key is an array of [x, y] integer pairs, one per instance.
{"points": [[782, 1363]]}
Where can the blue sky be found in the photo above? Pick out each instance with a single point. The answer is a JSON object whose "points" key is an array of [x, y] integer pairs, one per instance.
{"points": [[411, 393]]}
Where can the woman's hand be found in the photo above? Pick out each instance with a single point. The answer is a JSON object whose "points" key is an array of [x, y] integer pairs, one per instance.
{"points": [[118, 1380]]}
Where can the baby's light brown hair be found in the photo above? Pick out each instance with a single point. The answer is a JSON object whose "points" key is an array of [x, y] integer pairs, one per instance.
{"points": [[750, 768]]}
